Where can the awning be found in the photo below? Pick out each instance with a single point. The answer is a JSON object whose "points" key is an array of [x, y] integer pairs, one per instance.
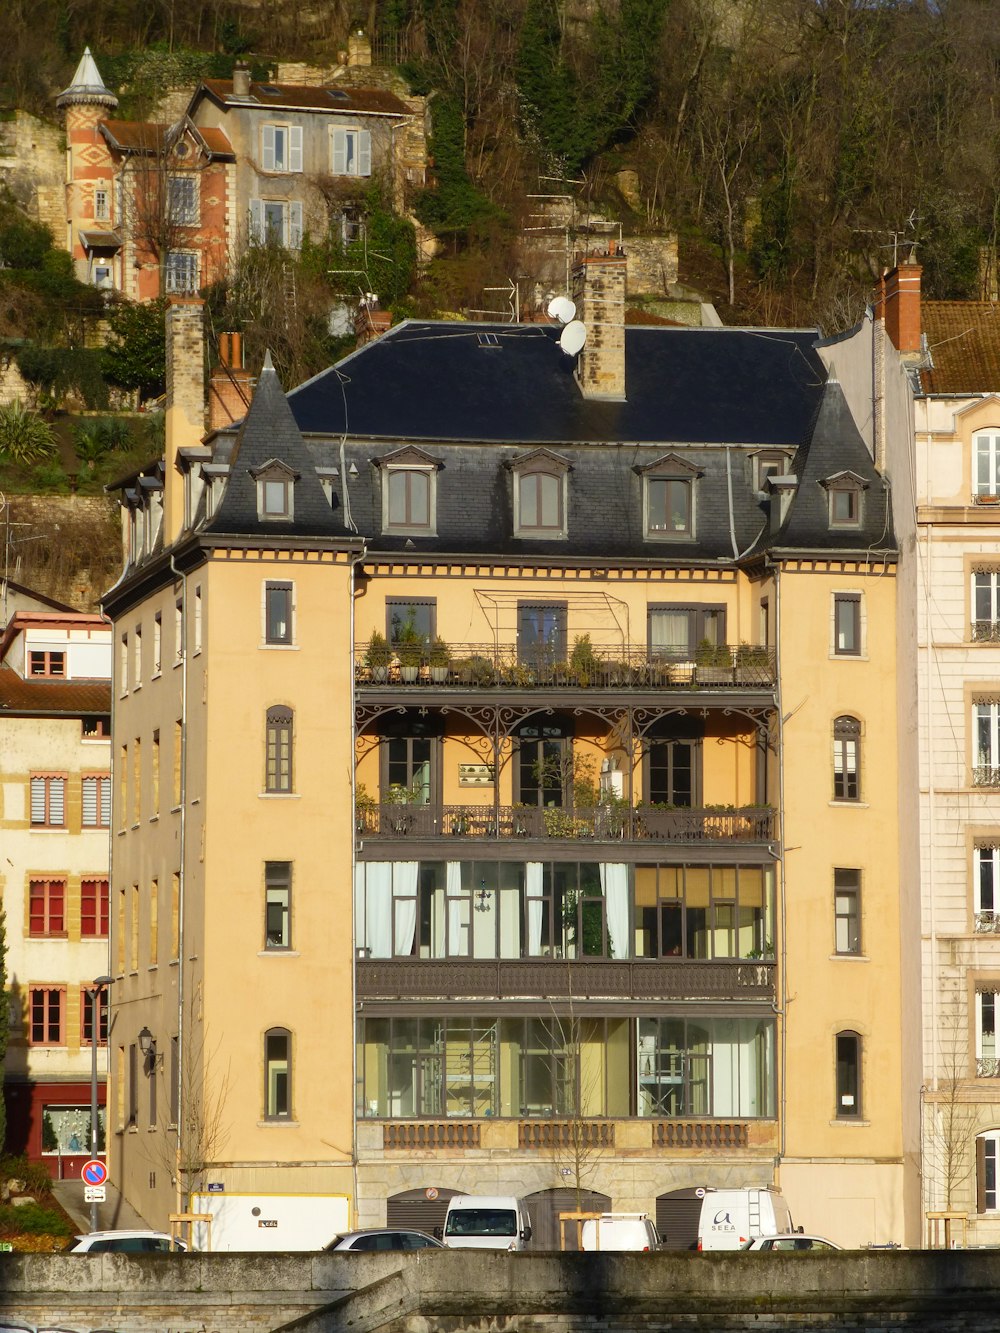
{"points": [[92, 241]]}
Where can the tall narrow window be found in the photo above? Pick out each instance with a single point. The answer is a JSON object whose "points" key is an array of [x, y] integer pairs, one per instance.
{"points": [[47, 905], [136, 780], [178, 752], [277, 613], [985, 886], [278, 763], [197, 619], [847, 910], [986, 732], [277, 1074], [278, 904], [157, 642], [175, 915], [133, 934], [541, 633], [847, 624], [123, 665], [96, 792], [133, 1084], [154, 777], [987, 1063], [94, 908], [987, 1155], [986, 465], [848, 1076], [154, 907], [986, 604], [120, 933], [178, 629], [48, 801], [46, 1005], [846, 759], [137, 656], [90, 1002]]}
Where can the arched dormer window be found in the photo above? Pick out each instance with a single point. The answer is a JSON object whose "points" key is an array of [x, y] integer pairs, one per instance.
{"points": [[275, 492], [845, 493], [409, 492], [668, 499], [540, 495]]}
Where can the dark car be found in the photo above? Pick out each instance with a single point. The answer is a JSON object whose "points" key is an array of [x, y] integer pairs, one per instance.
{"points": [[385, 1238]]}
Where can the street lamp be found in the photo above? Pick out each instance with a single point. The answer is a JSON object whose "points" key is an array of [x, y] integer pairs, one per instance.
{"points": [[147, 1045], [100, 985]]}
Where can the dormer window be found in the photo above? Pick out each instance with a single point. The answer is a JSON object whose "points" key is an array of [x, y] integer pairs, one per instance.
{"points": [[845, 493], [768, 463], [409, 493], [669, 499], [275, 493], [540, 495]]}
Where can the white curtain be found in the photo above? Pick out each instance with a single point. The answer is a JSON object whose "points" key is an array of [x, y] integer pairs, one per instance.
{"points": [[404, 893], [378, 908], [458, 939], [536, 905], [614, 886]]}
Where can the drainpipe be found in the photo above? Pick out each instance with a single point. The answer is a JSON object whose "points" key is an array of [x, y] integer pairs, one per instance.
{"points": [[182, 877], [356, 560], [782, 915]]}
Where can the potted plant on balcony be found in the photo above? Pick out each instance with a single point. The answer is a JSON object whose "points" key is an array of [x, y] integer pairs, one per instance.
{"points": [[714, 663], [583, 661], [439, 659], [409, 645], [753, 665], [378, 655], [364, 808]]}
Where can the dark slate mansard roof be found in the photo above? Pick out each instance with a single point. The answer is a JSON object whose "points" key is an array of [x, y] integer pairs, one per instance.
{"points": [[711, 397]]}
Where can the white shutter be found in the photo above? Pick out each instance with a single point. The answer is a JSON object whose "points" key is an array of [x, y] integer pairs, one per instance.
{"points": [[294, 225], [295, 148], [57, 800], [339, 152], [90, 802], [267, 147], [257, 221], [38, 800], [364, 153]]}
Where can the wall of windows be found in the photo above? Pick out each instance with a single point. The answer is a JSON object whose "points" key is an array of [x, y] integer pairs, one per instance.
{"points": [[561, 1065], [553, 909]]}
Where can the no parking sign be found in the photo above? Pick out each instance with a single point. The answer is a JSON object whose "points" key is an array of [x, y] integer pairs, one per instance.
{"points": [[94, 1172]]}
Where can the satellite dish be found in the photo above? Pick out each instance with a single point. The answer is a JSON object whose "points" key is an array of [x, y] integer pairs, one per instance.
{"points": [[562, 309], [573, 336]]}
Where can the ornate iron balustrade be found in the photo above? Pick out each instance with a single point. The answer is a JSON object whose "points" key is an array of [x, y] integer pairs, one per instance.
{"points": [[987, 1067], [988, 923], [491, 667], [603, 823], [700, 1134], [985, 775], [986, 631], [555, 979]]}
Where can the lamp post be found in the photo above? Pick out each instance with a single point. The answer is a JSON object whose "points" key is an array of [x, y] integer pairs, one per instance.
{"points": [[101, 984]]}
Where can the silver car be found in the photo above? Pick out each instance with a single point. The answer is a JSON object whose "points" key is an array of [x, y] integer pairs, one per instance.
{"points": [[385, 1238], [125, 1242]]}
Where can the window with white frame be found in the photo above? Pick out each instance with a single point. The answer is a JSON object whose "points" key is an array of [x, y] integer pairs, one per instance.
{"points": [[986, 743], [540, 503], [276, 222], [986, 604], [987, 1064], [987, 1155], [350, 152], [182, 200], [181, 271], [48, 800], [985, 883], [102, 211], [281, 148], [986, 466], [96, 801], [847, 910], [275, 493], [845, 495]]}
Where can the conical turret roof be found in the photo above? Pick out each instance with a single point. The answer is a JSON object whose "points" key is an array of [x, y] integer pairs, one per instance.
{"points": [[87, 87]]}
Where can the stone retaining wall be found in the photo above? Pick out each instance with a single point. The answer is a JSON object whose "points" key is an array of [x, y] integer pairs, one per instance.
{"points": [[487, 1292]]}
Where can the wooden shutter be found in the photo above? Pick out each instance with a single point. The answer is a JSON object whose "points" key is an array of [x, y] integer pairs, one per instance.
{"points": [[364, 153], [294, 148], [267, 147], [339, 165], [980, 1175], [57, 800], [38, 800], [90, 790], [294, 224]]}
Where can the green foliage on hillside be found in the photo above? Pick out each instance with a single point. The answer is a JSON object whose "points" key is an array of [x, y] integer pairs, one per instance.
{"points": [[135, 353]]}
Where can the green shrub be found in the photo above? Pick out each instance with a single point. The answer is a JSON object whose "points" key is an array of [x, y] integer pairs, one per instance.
{"points": [[25, 437], [33, 1220], [36, 1178]]}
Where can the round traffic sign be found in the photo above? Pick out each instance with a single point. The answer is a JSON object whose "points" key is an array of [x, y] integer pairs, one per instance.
{"points": [[94, 1172]]}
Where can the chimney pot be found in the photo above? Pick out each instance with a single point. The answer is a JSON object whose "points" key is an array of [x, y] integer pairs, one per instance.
{"points": [[899, 306]]}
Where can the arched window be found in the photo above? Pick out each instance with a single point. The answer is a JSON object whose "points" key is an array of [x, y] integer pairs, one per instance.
{"points": [[277, 1074], [848, 1076], [846, 759], [278, 757], [540, 495]]}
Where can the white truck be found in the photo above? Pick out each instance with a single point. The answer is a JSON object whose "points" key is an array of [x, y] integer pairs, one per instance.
{"points": [[619, 1231], [486, 1222], [729, 1218], [284, 1222]]}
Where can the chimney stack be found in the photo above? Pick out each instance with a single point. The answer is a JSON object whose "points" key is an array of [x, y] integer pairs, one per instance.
{"points": [[599, 293], [241, 79], [230, 387], [899, 307], [185, 423]]}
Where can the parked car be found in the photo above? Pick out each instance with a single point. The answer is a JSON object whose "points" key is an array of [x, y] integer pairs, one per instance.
{"points": [[384, 1238], [620, 1231], [125, 1242], [796, 1241]]}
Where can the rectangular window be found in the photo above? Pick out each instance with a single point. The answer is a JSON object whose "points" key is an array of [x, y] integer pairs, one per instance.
{"points": [[278, 904], [677, 631], [120, 933], [122, 786], [101, 206], [155, 774], [178, 734], [94, 908], [541, 632], [46, 907], [986, 605], [123, 664], [846, 759], [133, 1084], [154, 907], [175, 915], [405, 616], [847, 910], [278, 760], [847, 624], [96, 808], [845, 505], [42, 662], [197, 619], [48, 801], [90, 1001], [277, 1074], [986, 733], [987, 1052], [281, 147], [276, 222], [136, 781], [408, 499], [133, 933], [179, 629], [986, 882], [182, 201], [848, 1076], [137, 655], [669, 507], [96, 727], [540, 503], [157, 642], [175, 1079], [181, 272], [351, 153], [986, 466], [46, 1012], [278, 613]]}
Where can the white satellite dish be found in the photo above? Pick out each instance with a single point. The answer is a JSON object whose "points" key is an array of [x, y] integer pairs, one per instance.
{"points": [[562, 309], [573, 336]]}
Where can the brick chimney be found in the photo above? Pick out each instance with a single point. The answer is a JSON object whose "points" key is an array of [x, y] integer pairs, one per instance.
{"points": [[599, 293], [898, 306], [230, 387], [185, 423]]}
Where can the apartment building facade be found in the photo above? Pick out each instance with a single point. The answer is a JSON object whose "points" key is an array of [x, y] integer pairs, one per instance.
{"points": [[55, 715], [541, 847]]}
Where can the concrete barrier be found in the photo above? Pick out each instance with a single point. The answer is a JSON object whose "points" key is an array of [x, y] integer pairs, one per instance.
{"points": [[487, 1292]]}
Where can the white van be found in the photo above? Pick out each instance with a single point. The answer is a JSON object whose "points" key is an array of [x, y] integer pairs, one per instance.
{"points": [[731, 1217], [619, 1231], [486, 1222]]}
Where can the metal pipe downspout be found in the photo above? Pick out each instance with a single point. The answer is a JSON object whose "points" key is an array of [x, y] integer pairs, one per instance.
{"points": [[181, 886], [782, 914], [356, 560]]}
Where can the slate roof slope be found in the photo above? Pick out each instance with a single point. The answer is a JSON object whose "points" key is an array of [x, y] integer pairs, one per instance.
{"points": [[302, 97], [71, 698], [269, 433], [449, 381], [963, 343], [835, 445]]}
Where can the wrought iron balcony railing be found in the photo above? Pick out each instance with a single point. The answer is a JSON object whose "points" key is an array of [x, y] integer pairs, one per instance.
{"points": [[988, 923], [603, 823], [488, 666], [986, 631], [987, 1067]]}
